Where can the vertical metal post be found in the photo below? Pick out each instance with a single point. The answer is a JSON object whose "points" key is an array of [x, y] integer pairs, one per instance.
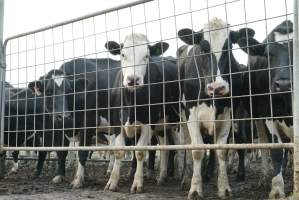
{"points": [[296, 99], [2, 83]]}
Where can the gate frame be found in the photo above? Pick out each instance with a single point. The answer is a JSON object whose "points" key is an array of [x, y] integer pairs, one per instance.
{"points": [[294, 145]]}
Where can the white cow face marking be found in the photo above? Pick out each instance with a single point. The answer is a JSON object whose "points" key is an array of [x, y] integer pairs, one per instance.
{"points": [[282, 38], [216, 32], [58, 79], [134, 60]]}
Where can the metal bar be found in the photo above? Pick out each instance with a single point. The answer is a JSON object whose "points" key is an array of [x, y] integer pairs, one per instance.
{"points": [[134, 3], [296, 100], [159, 147], [2, 92]]}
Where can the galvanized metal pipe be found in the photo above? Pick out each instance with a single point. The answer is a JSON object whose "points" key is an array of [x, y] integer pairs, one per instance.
{"points": [[159, 147], [296, 99], [2, 96]]}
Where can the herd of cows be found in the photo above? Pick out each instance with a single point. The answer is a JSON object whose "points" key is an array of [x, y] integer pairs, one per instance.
{"points": [[204, 87]]}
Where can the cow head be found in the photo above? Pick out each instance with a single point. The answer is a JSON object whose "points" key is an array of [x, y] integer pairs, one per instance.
{"points": [[135, 55], [279, 51], [219, 38], [55, 88]]}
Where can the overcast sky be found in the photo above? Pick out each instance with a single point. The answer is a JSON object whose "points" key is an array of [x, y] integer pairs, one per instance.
{"points": [[34, 55]]}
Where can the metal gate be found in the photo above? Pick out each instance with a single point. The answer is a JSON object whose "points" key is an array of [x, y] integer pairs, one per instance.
{"points": [[29, 56]]}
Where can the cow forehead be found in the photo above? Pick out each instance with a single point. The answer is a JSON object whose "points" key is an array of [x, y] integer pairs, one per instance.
{"points": [[135, 44], [58, 79], [216, 32]]}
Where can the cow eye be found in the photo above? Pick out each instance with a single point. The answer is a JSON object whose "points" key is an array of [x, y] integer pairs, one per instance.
{"points": [[146, 57], [123, 55]]}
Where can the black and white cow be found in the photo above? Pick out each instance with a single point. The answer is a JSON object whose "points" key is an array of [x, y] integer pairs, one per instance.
{"points": [[271, 85], [51, 93], [145, 83], [207, 84]]}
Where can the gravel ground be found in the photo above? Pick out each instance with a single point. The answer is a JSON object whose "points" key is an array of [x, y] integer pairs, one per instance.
{"points": [[22, 185]]}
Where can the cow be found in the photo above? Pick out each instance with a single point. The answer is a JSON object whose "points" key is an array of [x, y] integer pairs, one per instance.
{"points": [[50, 94], [206, 86], [140, 95], [271, 86]]}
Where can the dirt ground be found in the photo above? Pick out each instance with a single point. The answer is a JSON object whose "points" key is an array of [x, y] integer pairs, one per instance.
{"points": [[22, 186]]}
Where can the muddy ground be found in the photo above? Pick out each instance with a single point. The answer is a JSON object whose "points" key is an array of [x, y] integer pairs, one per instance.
{"points": [[22, 185]]}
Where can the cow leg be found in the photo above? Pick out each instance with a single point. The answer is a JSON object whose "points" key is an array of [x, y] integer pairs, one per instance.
{"points": [[115, 173], [145, 137], [15, 167], [277, 186], [195, 191], [72, 155], [150, 171], [178, 138], [262, 137], [111, 156], [132, 170], [40, 163], [210, 167], [60, 174], [222, 132], [164, 155], [79, 177], [241, 165]]}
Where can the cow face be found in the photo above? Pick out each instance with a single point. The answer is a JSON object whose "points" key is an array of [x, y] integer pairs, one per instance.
{"points": [[279, 51], [54, 87], [135, 55], [280, 59], [221, 39]]}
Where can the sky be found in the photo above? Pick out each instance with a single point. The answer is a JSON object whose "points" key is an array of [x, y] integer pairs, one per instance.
{"points": [[30, 57]]}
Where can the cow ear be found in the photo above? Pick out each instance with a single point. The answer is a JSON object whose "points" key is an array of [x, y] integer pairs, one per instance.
{"points": [[189, 36], [252, 46], [113, 47], [36, 87], [158, 48], [243, 32], [79, 85]]}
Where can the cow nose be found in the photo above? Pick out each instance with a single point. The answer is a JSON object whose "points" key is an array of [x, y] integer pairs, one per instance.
{"points": [[132, 80], [215, 89], [282, 85]]}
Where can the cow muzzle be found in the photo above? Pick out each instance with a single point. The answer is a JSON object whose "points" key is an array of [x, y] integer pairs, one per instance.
{"points": [[282, 85]]}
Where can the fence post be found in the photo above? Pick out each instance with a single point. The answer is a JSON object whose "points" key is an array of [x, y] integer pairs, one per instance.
{"points": [[2, 83], [296, 100]]}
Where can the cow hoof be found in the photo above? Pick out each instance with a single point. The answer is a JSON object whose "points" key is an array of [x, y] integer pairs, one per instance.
{"points": [[224, 194], [195, 195], [77, 183], [57, 179], [277, 190], [111, 186], [161, 180], [185, 183], [136, 189]]}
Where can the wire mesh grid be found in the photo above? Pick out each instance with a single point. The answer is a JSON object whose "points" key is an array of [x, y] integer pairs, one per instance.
{"points": [[30, 118], [155, 75]]}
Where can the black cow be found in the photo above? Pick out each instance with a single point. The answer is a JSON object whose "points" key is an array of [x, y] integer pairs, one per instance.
{"points": [[140, 95], [271, 84], [211, 74], [50, 95]]}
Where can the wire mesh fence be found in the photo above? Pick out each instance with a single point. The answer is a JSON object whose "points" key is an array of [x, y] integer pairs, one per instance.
{"points": [[189, 75]]}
